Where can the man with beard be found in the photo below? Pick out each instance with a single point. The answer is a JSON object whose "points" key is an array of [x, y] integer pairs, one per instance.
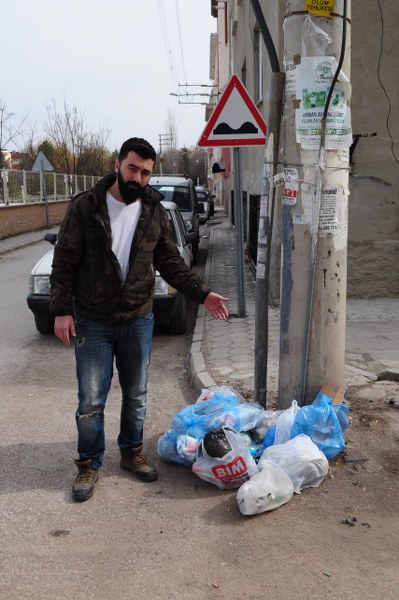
{"points": [[110, 243]]}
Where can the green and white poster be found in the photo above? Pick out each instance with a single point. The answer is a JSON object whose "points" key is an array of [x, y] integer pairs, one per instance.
{"points": [[313, 80]]}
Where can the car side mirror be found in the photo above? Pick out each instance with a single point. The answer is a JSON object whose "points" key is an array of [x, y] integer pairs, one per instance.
{"points": [[191, 237], [51, 237]]}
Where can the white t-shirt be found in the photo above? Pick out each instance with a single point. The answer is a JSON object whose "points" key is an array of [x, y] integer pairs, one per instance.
{"points": [[124, 221]]}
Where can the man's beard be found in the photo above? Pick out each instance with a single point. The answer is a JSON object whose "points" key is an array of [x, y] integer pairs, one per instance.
{"points": [[129, 191]]}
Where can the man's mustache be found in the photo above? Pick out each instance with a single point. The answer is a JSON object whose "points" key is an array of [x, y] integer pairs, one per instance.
{"points": [[134, 185]]}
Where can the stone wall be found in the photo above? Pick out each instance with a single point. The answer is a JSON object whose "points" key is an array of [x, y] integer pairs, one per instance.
{"points": [[23, 218]]}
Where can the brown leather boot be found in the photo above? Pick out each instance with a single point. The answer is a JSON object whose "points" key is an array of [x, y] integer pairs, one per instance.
{"points": [[134, 461], [83, 486]]}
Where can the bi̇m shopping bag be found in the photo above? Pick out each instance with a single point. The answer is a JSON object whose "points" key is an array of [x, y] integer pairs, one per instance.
{"points": [[232, 469]]}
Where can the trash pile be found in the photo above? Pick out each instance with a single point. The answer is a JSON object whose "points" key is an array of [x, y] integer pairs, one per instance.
{"points": [[267, 454]]}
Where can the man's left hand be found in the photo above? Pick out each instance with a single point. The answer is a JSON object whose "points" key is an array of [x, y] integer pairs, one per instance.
{"points": [[215, 304]]}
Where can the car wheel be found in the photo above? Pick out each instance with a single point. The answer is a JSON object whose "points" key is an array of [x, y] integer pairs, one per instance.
{"points": [[177, 323], [44, 326]]}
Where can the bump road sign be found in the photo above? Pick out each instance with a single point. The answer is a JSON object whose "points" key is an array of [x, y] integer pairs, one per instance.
{"points": [[235, 121]]}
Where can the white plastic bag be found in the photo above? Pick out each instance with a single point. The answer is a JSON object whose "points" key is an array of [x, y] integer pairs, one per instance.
{"points": [[301, 459], [230, 471], [285, 422], [267, 420], [266, 490]]}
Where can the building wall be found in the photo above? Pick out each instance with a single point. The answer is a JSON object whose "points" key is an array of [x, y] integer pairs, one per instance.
{"points": [[220, 183], [373, 247], [373, 225]]}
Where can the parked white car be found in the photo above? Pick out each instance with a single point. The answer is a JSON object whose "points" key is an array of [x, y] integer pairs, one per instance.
{"points": [[169, 304]]}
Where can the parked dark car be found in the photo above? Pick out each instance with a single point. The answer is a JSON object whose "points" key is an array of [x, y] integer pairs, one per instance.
{"points": [[205, 196], [181, 191]]}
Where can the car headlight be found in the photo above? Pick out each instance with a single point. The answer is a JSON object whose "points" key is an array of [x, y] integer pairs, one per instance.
{"points": [[39, 284], [189, 225]]}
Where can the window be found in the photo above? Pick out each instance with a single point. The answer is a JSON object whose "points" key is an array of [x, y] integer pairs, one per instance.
{"points": [[173, 226], [258, 66], [178, 194], [244, 73], [226, 30]]}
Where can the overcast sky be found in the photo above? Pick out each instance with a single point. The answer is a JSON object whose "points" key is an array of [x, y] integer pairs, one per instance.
{"points": [[115, 60]]}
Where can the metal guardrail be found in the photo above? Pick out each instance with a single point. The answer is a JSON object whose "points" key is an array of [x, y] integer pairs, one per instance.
{"points": [[24, 187]]}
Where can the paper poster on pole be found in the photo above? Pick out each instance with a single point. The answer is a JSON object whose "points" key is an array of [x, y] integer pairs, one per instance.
{"points": [[313, 79], [328, 219], [320, 8], [332, 216], [290, 87], [290, 186]]}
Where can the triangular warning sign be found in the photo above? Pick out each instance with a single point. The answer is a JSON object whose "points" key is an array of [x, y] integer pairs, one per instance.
{"points": [[42, 163], [235, 121]]}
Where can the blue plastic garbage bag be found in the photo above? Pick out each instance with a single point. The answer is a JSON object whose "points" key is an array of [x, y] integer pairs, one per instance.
{"points": [[342, 411], [199, 418], [269, 439], [167, 449], [191, 423], [320, 422]]}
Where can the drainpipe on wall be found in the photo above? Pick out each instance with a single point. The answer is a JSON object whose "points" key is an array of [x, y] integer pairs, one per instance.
{"points": [[266, 215]]}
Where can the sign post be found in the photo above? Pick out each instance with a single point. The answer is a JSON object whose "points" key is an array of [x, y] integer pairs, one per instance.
{"points": [[44, 186], [236, 122], [239, 218]]}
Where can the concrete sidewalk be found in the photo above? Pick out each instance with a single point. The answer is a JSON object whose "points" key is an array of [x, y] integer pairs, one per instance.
{"points": [[23, 239], [222, 353]]}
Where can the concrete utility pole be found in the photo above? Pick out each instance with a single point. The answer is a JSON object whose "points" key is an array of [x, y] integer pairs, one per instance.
{"points": [[316, 141]]}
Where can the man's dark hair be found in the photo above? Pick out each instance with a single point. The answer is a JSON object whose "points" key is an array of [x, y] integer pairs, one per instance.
{"points": [[138, 145]]}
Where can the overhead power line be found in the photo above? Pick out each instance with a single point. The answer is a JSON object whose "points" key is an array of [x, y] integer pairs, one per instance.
{"points": [[165, 35], [180, 40]]}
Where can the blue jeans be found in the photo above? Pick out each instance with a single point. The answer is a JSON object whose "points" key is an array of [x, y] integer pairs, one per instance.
{"points": [[96, 345]]}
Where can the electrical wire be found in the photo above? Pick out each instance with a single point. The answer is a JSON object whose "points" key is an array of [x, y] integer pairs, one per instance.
{"points": [[165, 35], [323, 125], [180, 41], [178, 110], [382, 85]]}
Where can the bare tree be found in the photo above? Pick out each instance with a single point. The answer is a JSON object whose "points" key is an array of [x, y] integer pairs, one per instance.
{"points": [[94, 158], [9, 130], [77, 149], [171, 129], [170, 156], [28, 148], [64, 131]]}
